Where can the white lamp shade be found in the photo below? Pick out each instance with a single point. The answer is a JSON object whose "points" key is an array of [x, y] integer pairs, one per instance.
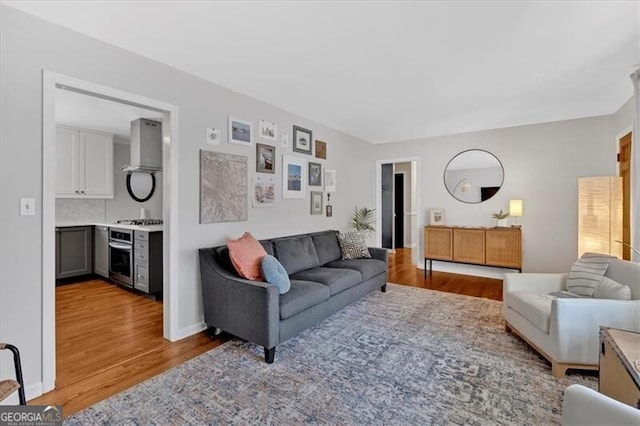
{"points": [[515, 208], [600, 215]]}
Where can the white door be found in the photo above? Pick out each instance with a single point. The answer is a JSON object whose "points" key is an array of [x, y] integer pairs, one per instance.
{"points": [[98, 164], [66, 161]]}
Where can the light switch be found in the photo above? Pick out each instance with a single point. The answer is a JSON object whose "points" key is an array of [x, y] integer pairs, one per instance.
{"points": [[27, 206]]}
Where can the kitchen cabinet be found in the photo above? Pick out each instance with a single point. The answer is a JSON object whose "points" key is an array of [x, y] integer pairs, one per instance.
{"points": [[84, 163], [101, 251], [147, 258], [74, 254]]}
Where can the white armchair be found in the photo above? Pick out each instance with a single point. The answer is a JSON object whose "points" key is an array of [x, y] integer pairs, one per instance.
{"points": [[583, 406], [566, 331]]}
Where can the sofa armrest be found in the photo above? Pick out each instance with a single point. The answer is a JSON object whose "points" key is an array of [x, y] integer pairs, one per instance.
{"points": [[244, 308], [584, 406], [533, 282], [379, 253]]}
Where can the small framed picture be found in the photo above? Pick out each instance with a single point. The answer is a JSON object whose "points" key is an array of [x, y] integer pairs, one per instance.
{"points": [[294, 179], [213, 136], [302, 140], [321, 149], [436, 216], [265, 158], [240, 132], [330, 180], [268, 130], [329, 211], [315, 174], [316, 202]]}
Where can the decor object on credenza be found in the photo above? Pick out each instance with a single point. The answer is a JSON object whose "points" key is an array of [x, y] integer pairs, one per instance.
{"points": [[330, 180], [473, 176], [302, 140], [515, 210], [213, 136], [501, 218], [321, 149], [316, 202], [329, 207], [265, 158], [264, 192], [294, 179], [363, 220], [268, 130], [223, 187], [284, 140], [436, 216], [315, 174], [600, 215], [240, 132]]}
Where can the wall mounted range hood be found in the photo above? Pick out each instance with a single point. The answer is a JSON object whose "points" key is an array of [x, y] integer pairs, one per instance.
{"points": [[146, 146]]}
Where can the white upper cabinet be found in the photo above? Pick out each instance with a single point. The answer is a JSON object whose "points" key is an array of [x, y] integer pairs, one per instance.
{"points": [[84, 163]]}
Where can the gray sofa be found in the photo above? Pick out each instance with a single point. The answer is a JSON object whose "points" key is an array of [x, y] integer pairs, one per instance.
{"points": [[321, 284]]}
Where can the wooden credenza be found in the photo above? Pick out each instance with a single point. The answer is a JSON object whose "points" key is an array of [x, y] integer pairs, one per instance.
{"points": [[501, 247]]}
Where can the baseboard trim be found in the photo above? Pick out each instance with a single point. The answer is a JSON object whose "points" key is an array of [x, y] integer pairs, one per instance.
{"points": [[190, 330]]}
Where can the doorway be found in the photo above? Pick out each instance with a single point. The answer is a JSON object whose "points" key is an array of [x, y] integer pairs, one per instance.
{"points": [[51, 83], [399, 212], [624, 159]]}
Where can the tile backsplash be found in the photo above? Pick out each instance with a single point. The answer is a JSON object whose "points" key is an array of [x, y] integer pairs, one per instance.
{"points": [[75, 210]]}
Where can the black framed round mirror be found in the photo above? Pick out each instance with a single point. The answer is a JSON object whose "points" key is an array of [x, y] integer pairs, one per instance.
{"points": [[473, 176], [141, 186]]}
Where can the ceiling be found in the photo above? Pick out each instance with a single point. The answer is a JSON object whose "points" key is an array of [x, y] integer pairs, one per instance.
{"points": [[387, 71]]}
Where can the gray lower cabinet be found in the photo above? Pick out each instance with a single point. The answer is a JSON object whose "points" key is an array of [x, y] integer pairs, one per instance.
{"points": [[74, 254], [147, 261], [101, 251]]}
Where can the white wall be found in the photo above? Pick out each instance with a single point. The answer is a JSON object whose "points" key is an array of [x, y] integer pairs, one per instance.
{"points": [[541, 163], [29, 45]]}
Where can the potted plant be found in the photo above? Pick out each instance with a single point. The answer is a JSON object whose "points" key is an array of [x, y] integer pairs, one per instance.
{"points": [[501, 217], [362, 220]]}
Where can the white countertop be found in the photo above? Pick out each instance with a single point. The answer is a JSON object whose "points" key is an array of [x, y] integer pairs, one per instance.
{"points": [[148, 228]]}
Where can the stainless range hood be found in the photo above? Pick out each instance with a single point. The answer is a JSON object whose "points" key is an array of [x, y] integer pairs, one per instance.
{"points": [[146, 146]]}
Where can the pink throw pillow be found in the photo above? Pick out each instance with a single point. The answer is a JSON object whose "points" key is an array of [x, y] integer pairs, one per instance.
{"points": [[246, 254]]}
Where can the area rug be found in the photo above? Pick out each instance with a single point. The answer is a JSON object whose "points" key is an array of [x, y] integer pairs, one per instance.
{"points": [[408, 356]]}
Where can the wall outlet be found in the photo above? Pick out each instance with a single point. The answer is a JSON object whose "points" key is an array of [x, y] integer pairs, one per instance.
{"points": [[27, 206]]}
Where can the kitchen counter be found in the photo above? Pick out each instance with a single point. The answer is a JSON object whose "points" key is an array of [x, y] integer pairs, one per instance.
{"points": [[148, 228]]}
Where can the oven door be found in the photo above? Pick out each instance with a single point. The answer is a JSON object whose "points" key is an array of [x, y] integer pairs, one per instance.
{"points": [[121, 263]]}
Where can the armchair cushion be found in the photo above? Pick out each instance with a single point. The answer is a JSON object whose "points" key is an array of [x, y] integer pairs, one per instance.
{"points": [[584, 406], [610, 289], [535, 307], [586, 273]]}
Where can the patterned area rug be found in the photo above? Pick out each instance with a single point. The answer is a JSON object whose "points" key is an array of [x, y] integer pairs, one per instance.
{"points": [[408, 356]]}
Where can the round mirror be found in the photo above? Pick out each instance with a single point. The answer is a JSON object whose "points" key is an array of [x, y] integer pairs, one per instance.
{"points": [[141, 186], [473, 176]]}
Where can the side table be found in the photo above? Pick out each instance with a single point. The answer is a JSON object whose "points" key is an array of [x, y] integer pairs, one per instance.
{"points": [[620, 365]]}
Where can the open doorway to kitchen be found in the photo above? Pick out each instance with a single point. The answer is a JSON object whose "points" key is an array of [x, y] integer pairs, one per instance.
{"points": [[107, 279]]}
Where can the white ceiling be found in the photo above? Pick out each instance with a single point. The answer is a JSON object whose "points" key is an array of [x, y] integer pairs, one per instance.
{"points": [[387, 71]]}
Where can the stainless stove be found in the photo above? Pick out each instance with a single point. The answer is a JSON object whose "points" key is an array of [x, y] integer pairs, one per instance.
{"points": [[140, 222]]}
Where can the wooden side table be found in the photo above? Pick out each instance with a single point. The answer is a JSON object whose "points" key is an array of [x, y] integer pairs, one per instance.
{"points": [[619, 371]]}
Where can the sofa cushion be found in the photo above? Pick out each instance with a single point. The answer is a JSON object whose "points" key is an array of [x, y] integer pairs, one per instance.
{"points": [[302, 295], [610, 289], [587, 272], [246, 253], [274, 273], [336, 279], [327, 246], [222, 255], [535, 307], [353, 246], [296, 254], [369, 268]]}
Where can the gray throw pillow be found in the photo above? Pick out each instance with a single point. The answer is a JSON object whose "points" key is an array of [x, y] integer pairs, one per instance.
{"points": [[610, 289], [353, 246], [586, 273]]}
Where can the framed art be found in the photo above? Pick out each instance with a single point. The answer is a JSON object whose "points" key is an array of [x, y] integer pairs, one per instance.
{"points": [[329, 211], [436, 216], [330, 180], [268, 130], [321, 149], [240, 132], [315, 174], [302, 140], [294, 179], [213, 136], [265, 158], [264, 192], [316, 202], [223, 187]]}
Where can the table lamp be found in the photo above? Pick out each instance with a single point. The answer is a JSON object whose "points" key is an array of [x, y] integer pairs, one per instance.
{"points": [[515, 210]]}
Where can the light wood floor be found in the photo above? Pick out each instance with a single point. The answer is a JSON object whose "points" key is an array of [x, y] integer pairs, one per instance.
{"points": [[109, 339]]}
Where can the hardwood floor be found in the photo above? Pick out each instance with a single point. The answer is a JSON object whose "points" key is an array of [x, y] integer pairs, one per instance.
{"points": [[109, 339]]}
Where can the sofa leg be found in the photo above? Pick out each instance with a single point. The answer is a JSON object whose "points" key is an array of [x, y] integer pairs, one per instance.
{"points": [[558, 370], [269, 354], [383, 288], [213, 332], [507, 328]]}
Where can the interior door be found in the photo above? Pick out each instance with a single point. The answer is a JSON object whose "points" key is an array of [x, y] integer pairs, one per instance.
{"points": [[387, 206], [625, 172], [399, 210]]}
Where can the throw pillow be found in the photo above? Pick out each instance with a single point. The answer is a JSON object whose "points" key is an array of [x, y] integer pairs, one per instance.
{"points": [[246, 253], [353, 246], [586, 273], [610, 289], [274, 273]]}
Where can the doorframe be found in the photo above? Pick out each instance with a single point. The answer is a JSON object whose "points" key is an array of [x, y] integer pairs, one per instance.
{"points": [[50, 81], [414, 231], [627, 130]]}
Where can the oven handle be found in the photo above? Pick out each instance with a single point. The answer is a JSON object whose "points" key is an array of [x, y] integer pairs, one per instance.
{"points": [[120, 246]]}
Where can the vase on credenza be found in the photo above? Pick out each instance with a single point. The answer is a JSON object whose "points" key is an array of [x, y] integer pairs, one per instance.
{"points": [[502, 223]]}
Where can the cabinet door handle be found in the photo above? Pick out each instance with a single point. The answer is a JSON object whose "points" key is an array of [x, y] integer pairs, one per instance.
{"points": [[82, 192], [140, 277], [77, 192]]}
